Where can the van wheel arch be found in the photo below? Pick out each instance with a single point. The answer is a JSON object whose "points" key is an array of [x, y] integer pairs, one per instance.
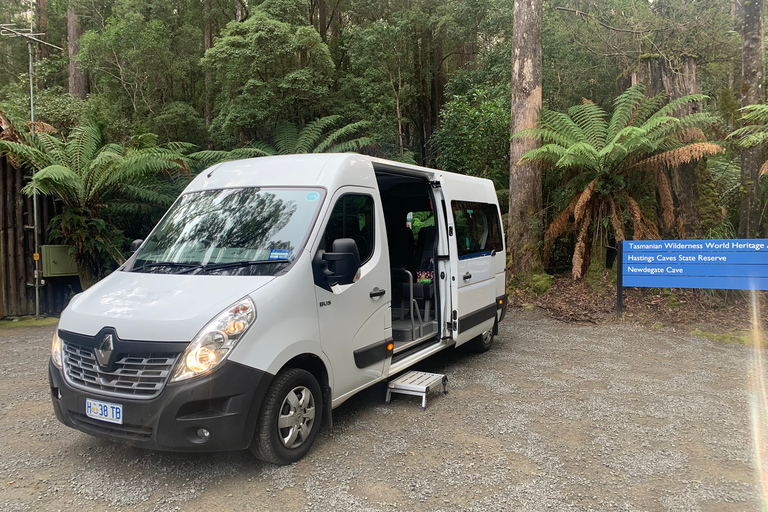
{"points": [[314, 365], [288, 423]]}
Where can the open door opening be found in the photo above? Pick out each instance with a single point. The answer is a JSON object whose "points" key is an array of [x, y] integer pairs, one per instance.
{"points": [[412, 235]]}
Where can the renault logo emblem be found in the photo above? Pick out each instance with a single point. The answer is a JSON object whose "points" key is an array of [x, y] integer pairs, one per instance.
{"points": [[104, 350]]}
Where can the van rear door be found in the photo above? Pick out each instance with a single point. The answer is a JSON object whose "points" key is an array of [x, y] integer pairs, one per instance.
{"points": [[475, 245]]}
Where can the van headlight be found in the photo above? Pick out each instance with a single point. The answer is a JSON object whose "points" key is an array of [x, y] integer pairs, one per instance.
{"points": [[213, 343], [56, 349]]}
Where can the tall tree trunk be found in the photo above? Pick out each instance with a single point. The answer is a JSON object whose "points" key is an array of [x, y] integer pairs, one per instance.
{"points": [[684, 179], [78, 81], [525, 200], [752, 75], [208, 44], [42, 26], [240, 11]]}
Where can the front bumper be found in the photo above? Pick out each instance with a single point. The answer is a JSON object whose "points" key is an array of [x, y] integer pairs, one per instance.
{"points": [[226, 403]]}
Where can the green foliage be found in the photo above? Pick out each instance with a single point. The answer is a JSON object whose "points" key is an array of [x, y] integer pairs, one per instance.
{"points": [[755, 129], [289, 139], [179, 121], [91, 176], [266, 70], [474, 137]]}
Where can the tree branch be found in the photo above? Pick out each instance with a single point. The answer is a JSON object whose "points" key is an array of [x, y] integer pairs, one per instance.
{"points": [[602, 24]]}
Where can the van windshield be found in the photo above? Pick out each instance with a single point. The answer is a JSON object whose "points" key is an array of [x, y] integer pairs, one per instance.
{"points": [[235, 231]]}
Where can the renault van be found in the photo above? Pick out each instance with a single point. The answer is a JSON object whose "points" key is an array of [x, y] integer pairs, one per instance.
{"points": [[274, 289]]}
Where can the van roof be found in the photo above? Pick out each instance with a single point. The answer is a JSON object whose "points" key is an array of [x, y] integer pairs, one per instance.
{"points": [[328, 170]]}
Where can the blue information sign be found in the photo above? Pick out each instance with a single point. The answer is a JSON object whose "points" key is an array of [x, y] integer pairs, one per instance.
{"points": [[718, 264]]}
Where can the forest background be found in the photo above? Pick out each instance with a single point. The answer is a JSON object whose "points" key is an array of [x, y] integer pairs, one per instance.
{"points": [[421, 81]]}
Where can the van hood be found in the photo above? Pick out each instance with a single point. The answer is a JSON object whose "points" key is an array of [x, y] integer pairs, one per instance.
{"points": [[155, 307]]}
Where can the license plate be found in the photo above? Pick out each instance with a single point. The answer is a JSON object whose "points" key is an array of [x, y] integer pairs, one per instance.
{"points": [[104, 411]]}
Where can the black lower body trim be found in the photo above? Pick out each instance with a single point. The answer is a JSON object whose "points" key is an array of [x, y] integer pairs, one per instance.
{"points": [[372, 354], [474, 319], [501, 302]]}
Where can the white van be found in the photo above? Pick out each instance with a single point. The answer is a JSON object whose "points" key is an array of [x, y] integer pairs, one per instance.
{"points": [[273, 290]]}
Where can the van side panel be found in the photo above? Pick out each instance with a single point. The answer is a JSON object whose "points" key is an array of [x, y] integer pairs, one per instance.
{"points": [[286, 322]]}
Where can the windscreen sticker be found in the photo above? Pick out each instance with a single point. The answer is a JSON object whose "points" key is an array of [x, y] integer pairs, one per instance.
{"points": [[312, 196], [279, 254]]}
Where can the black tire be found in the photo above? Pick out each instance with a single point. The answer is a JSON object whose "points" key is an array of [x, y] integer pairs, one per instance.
{"points": [[481, 343], [294, 401]]}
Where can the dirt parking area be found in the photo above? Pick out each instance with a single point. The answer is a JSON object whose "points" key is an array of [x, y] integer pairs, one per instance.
{"points": [[556, 416]]}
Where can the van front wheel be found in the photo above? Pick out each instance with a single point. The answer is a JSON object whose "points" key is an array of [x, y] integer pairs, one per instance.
{"points": [[290, 418]]}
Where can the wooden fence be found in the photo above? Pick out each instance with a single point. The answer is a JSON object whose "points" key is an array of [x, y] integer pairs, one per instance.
{"points": [[17, 248]]}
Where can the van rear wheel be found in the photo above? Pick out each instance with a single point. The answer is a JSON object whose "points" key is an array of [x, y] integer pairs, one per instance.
{"points": [[290, 418], [481, 343]]}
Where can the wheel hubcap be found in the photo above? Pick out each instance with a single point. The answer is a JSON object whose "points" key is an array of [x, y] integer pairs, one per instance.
{"points": [[297, 416]]}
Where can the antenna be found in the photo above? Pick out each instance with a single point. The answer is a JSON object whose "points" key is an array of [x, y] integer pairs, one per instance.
{"points": [[10, 30]]}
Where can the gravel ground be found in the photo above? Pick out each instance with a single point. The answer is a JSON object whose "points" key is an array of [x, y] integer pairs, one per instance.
{"points": [[555, 417]]}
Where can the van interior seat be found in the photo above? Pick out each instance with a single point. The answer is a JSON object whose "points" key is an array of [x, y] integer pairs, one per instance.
{"points": [[423, 260]]}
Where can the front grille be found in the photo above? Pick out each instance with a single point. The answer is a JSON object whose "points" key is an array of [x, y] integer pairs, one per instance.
{"points": [[133, 375], [131, 432]]}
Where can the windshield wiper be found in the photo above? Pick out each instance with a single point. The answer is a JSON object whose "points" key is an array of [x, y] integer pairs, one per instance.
{"points": [[171, 264], [232, 264]]}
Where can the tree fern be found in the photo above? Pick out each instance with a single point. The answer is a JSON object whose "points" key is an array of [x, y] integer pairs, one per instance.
{"points": [[641, 133], [87, 173]]}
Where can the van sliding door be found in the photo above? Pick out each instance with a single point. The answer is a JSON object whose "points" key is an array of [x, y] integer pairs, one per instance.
{"points": [[476, 244]]}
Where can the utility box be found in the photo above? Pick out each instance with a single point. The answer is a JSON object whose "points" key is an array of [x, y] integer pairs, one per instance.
{"points": [[57, 262]]}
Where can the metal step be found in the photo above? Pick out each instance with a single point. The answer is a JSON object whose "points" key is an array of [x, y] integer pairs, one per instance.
{"points": [[418, 384]]}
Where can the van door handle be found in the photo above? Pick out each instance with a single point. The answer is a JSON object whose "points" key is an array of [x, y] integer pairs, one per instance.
{"points": [[467, 276], [377, 292]]}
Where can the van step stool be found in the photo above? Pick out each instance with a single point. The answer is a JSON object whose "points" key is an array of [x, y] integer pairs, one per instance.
{"points": [[416, 383]]}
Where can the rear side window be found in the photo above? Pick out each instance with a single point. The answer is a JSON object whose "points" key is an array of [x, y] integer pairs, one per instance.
{"points": [[352, 217], [478, 230]]}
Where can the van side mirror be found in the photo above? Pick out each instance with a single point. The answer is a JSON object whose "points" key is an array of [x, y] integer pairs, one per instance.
{"points": [[136, 244], [339, 266]]}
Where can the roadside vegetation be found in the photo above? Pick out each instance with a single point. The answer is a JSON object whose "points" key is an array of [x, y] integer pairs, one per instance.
{"points": [[643, 133]]}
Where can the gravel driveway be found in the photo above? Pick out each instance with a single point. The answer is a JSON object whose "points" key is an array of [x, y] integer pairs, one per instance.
{"points": [[555, 417]]}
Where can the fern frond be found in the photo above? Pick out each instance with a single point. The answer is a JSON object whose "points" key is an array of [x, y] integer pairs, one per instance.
{"points": [[557, 228], [208, 158], [592, 121], [329, 143], [755, 139], [351, 146], [286, 138], [674, 105], [580, 155], [584, 198], [579, 252], [678, 156], [310, 135], [549, 153], [562, 125], [82, 145], [755, 113], [624, 107], [57, 180], [647, 108]]}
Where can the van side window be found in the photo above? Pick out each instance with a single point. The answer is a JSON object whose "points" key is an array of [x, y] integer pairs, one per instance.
{"points": [[352, 217], [478, 230]]}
